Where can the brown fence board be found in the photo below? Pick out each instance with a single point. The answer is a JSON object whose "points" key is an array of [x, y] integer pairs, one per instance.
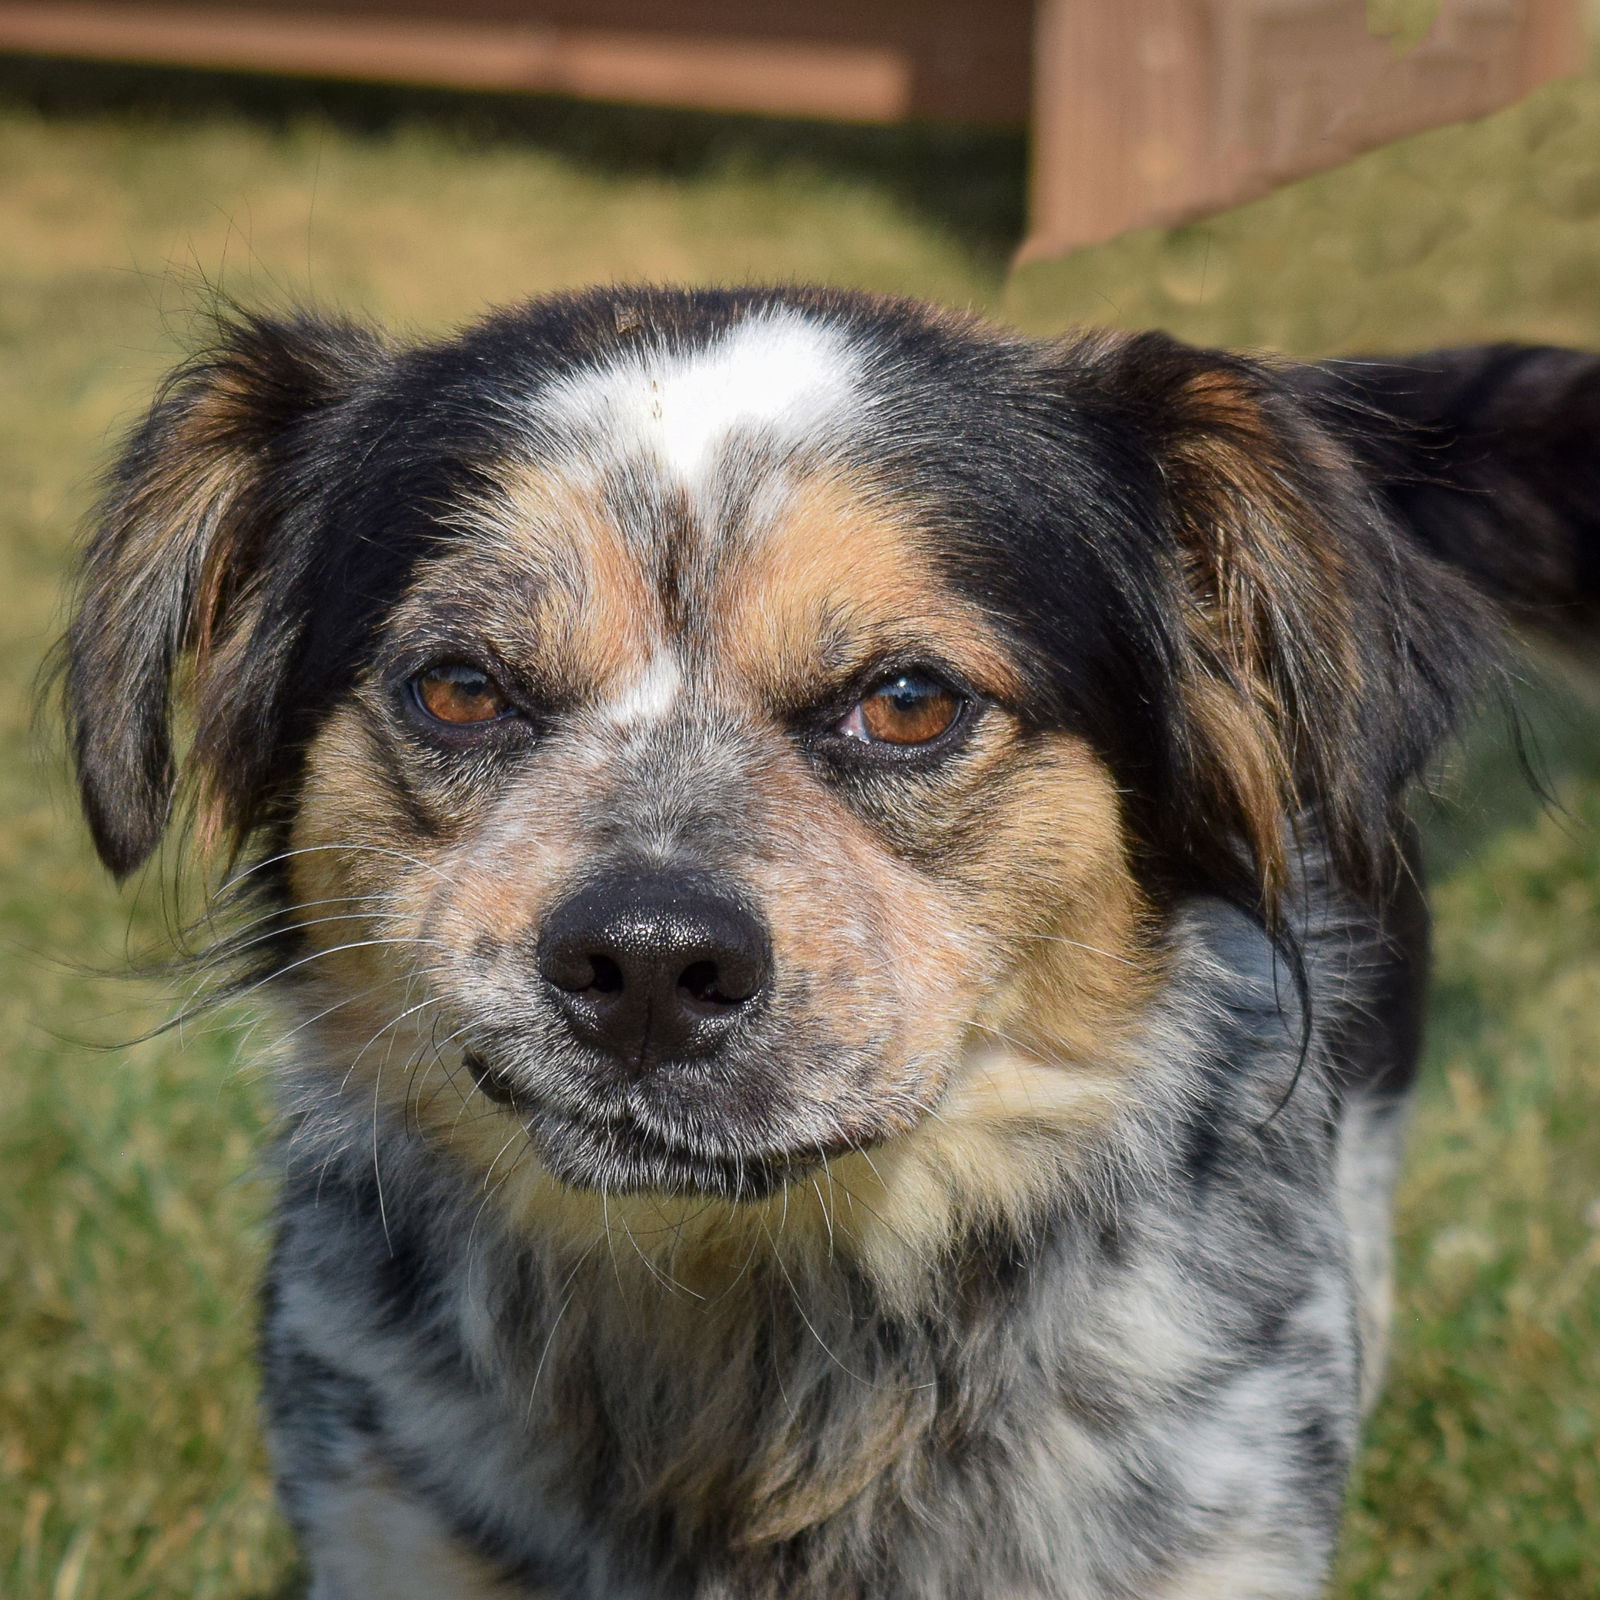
{"points": [[1159, 111], [1142, 111], [875, 62]]}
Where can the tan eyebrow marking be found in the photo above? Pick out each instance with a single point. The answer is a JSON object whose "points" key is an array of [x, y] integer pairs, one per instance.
{"points": [[841, 575], [597, 621]]}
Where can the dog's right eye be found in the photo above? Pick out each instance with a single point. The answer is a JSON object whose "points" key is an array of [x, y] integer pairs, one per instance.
{"points": [[458, 694]]}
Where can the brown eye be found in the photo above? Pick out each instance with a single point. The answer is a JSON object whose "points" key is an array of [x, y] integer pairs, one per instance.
{"points": [[456, 693], [905, 710]]}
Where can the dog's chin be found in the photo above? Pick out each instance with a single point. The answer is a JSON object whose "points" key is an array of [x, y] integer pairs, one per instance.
{"points": [[614, 1155], [621, 1158]]}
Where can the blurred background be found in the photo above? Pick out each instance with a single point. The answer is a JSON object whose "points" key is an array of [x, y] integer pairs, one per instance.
{"points": [[1148, 163]]}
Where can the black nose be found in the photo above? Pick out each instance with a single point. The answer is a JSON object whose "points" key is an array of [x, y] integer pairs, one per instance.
{"points": [[653, 966]]}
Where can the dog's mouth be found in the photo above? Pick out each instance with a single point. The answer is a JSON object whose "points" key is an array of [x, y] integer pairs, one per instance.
{"points": [[613, 1152], [490, 1080]]}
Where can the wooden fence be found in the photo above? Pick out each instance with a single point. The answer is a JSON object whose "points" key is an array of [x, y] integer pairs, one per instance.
{"points": [[1141, 111]]}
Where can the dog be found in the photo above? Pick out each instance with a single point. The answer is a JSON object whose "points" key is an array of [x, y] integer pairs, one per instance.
{"points": [[839, 885]]}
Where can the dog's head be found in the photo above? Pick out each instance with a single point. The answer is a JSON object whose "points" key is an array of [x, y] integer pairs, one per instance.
{"points": [[717, 720]]}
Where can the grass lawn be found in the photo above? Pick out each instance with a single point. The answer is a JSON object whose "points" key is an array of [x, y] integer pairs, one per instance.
{"points": [[130, 1213]]}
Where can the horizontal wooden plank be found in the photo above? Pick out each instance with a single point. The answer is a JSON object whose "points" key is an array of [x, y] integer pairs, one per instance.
{"points": [[849, 82]]}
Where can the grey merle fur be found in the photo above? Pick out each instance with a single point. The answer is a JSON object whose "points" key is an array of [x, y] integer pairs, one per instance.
{"points": [[1215, 1227]]}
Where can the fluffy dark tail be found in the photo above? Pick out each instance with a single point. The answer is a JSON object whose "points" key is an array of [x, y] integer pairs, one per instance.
{"points": [[1491, 456]]}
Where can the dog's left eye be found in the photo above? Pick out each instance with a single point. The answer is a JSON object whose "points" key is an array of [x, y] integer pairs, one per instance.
{"points": [[911, 708], [459, 694]]}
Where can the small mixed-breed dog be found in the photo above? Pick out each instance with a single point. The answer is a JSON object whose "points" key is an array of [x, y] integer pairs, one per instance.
{"points": [[840, 884]]}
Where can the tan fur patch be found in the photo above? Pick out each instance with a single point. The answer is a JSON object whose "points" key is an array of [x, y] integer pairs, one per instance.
{"points": [[595, 614], [1274, 651], [370, 1539], [844, 575], [195, 510], [1059, 896], [191, 514]]}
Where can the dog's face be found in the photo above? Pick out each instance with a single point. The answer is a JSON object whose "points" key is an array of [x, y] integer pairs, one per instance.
{"points": [[735, 729], [713, 798]]}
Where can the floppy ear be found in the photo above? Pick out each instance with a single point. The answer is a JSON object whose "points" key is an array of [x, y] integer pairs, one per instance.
{"points": [[1322, 655], [200, 534]]}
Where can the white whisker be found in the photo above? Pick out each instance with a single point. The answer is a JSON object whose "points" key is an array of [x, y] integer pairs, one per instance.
{"points": [[314, 849]]}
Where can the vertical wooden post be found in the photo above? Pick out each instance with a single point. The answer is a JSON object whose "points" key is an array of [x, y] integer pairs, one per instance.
{"points": [[1157, 111]]}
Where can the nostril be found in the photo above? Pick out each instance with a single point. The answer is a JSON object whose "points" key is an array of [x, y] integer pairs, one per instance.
{"points": [[699, 982], [709, 984], [583, 972], [606, 975]]}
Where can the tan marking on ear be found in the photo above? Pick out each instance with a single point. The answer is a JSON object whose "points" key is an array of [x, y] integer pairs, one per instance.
{"points": [[210, 466], [220, 825], [183, 537], [191, 512], [841, 573], [1274, 664], [1241, 755]]}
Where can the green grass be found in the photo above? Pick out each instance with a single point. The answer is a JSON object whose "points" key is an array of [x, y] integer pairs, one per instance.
{"points": [[1490, 230], [130, 1218]]}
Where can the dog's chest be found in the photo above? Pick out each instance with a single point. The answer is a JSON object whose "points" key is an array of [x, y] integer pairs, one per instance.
{"points": [[1038, 1429]]}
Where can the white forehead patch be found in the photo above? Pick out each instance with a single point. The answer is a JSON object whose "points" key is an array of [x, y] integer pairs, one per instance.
{"points": [[649, 696], [777, 377]]}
